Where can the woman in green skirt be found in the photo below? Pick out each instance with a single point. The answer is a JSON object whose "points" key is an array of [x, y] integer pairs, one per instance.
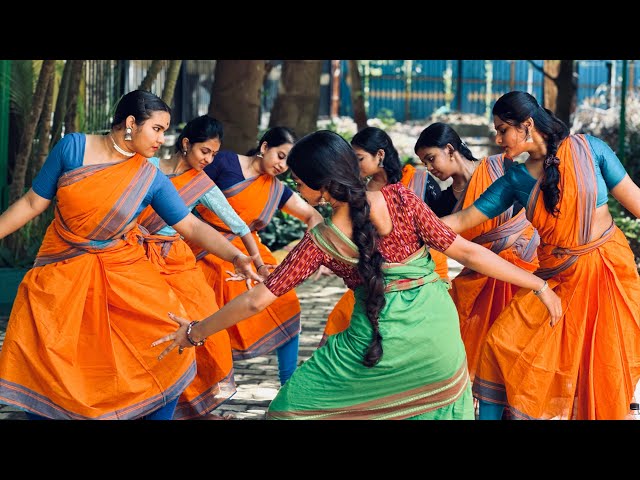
{"points": [[402, 356]]}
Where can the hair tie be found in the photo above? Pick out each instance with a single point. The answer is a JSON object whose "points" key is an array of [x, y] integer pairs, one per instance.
{"points": [[551, 160]]}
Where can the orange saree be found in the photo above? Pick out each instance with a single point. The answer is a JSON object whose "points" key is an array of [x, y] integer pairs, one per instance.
{"points": [[78, 342], [214, 382], [480, 299], [340, 316], [255, 200], [587, 365]]}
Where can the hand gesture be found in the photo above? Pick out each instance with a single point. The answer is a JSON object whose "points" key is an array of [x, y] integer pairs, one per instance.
{"points": [[553, 304], [243, 271], [178, 338]]}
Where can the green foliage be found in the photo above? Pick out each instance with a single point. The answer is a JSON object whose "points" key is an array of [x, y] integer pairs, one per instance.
{"points": [[385, 115], [19, 249], [630, 227]]}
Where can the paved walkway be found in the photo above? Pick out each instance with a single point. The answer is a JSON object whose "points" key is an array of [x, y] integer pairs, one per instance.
{"points": [[257, 378]]}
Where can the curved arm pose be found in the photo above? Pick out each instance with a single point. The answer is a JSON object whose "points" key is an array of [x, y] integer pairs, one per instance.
{"points": [[587, 366], [402, 355], [77, 343], [249, 182]]}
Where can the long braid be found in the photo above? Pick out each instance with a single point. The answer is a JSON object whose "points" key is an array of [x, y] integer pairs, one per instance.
{"points": [[516, 107], [324, 160]]}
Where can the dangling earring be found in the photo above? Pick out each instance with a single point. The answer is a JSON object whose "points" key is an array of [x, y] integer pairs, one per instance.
{"points": [[259, 155], [184, 153], [127, 134], [528, 138], [322, 201], [381, 162]]}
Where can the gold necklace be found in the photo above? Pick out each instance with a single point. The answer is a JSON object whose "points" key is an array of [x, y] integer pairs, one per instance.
{"points": [[456, 190]]}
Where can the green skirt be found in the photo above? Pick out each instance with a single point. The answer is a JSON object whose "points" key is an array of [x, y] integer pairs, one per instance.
{"points": [[422, 373]]}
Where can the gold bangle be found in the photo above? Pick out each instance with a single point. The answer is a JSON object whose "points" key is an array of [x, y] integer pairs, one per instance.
{"points": [[542, 288]]}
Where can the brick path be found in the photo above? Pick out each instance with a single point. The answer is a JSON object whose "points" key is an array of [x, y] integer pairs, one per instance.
{"points": [[257, 378]]}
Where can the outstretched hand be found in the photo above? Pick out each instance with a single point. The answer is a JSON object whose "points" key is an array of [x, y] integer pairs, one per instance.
{"points": [[178, 338], [243, 271], [553, 303]]}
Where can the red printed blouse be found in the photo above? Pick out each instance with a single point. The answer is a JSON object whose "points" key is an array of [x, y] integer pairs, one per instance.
{"points": [[414, 224]]}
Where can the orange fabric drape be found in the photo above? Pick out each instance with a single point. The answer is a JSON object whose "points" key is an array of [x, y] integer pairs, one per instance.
{"points": [[586, 366], [78, 340], [339, 318], [480, 299], [255, 200], [214, 382]]}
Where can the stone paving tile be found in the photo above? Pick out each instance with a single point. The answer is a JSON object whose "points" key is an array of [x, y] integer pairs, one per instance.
{"points": [[257, 378]]}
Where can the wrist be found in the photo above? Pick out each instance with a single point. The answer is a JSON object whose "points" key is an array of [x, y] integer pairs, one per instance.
{"points": [[192, 336], [233, 262], [263, 265], [544, 286]]}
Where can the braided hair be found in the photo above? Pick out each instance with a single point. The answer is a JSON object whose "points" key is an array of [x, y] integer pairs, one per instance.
{"points": [[514, 108], [325, 160]]}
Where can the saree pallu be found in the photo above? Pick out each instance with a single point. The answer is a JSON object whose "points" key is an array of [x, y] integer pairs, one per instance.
{"points": [[214, 382], [478, 298], [78, 342], [588, 365], [422, 373], [338, 319], [255, 200]]}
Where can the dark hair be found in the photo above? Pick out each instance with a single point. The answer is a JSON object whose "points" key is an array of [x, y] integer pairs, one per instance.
{"points": [[275, 137], [514, 108], [372, 139], [438, 135], [200, 129], [324, 159], [139, 103]]}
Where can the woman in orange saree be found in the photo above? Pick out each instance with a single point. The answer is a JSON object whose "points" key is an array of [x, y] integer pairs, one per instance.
{"points": [[77, 341], [587, 365], [249, 182], [380, 165], [478, 298], [198, 143]]}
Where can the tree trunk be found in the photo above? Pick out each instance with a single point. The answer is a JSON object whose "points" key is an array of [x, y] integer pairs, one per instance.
{"points": [[152, 73], [298, 99], [235, 101], [61, 103], [44, 131], [26, 141], [357, 95], [170, 83], [560, 88], [72, 96]]}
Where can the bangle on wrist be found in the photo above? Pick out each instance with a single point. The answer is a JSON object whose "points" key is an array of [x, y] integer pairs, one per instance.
{"points": [[263, 265], [542, 289], [191, 340]]}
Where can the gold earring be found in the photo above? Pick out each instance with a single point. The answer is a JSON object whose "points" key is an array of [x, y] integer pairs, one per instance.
{"points": [[322, 201]]}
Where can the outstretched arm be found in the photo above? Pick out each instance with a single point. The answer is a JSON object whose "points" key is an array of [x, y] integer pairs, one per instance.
{"points": [[465, 219], [214, 242], [484, 261], [303, 260], [26, 208], [628, 194], [300, 209]]}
